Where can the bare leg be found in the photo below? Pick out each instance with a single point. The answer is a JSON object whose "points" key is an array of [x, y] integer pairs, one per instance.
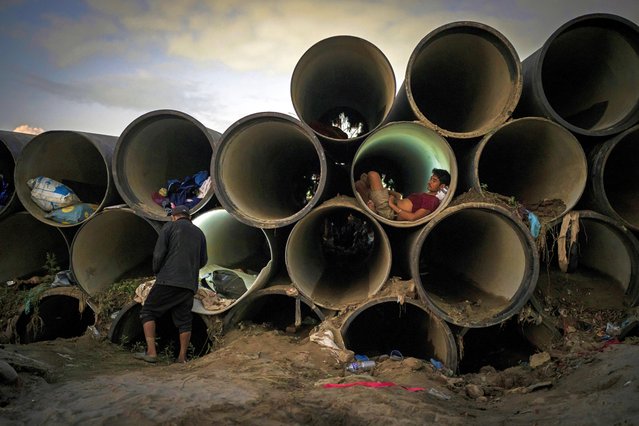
{"points": [[375, 181], [149, 336], [185, 338]]}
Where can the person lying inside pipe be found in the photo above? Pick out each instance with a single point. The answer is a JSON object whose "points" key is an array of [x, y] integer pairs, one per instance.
{"points": [[392, 205]]}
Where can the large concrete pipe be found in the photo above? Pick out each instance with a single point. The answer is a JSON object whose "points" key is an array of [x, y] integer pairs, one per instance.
{"points": [[281, 306], [11, 145], [63, 313], [338, 254], [406, 153], [81, 161], [269, 170], [113, 245], [126, 330], [605, 272], [532, 159], [157, 147], [343, 75], [586, 76], [249, 252], [25, 245], [613, 184], [463, 79], [382, 325], [474, 264]]}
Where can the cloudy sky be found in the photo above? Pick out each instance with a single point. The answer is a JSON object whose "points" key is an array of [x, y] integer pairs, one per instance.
{"points": [[97, 65]]}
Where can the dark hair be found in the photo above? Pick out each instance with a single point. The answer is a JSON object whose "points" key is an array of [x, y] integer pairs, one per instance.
{"points": [[442, 175]]}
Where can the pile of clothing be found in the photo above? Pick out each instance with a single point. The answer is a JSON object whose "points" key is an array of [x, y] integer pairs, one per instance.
{"points": [[187, 192], [5, 191], [59, 201]]}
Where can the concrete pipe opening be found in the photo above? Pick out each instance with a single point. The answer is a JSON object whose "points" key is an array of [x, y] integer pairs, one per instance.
{"points": [[500, 346], [269, 170], [382, 325], [281, 307], [603, 266], [61, 313], [614, 178], [248, 252], [114, 245], [157, 147], [532, 159], [474, 265], [405, 153], [126, 330], [348, 76], [338, 254], [585, 76], [11, 145], [463, 79], [81, 161], [26, 244]]}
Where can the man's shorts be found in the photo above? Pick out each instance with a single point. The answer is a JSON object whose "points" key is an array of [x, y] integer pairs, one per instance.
{"points": [[164, 298], [380, 199]]}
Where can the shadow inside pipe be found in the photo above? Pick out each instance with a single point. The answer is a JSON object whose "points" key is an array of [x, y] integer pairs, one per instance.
{"points": [[501, 346], [126, 330], [59, 317], [390, 326]]}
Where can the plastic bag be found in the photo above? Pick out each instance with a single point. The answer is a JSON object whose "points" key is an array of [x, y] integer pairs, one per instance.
{"points": [[228, 284], [50, 194], [72, 214]]}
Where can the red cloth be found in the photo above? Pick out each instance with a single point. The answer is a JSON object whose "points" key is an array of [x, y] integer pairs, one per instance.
{"points": [[370, 385], [424, 201]]}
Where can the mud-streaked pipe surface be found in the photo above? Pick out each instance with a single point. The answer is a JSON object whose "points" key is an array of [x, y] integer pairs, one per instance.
{"points": [[474, 264], [250, 252], [382, 325], [11, 145], [126, 330], [25, 244], [269, 170], [406, 153], [63, 313], [532, 159], [157, 147], [281, 306], [113, 245], [613, 185], [606, 272], [463, 79], [585, 76], [338, 254], [343, 74], [81, 161]]}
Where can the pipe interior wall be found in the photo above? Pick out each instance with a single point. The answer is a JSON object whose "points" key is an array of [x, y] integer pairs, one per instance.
{"points": [[269, 170], [155, 148], [82, 161], [532, 159], [112, 246], [25, 244]]}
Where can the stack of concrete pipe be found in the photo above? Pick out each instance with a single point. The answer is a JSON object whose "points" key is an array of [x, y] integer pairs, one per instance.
{"points": [[562, 124]]}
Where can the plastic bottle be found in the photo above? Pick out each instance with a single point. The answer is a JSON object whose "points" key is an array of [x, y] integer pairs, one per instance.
{"points": [[360, 366]]}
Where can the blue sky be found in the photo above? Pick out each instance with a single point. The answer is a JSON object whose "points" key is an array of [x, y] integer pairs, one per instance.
{"points": [[97, 65]]}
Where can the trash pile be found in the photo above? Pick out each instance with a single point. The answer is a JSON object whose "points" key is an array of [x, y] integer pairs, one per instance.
{"points": [[59, 201]]}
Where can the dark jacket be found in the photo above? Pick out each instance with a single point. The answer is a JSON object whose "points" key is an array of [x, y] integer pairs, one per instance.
{"points": [[179, 254]]}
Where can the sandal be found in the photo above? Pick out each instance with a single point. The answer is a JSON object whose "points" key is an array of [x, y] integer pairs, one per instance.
{"points": [[145, 357]]}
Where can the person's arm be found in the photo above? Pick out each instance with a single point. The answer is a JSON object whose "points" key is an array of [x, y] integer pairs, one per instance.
{"points": [[160, 251], [409, 216], [203, 254], [395, 194]]}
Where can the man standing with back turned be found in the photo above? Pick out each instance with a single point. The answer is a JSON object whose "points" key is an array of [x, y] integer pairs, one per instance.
{"points": [[179, 254]]}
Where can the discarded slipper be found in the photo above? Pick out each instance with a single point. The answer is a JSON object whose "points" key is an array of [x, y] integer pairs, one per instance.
{"points": [[396, 355], [145, 357]]}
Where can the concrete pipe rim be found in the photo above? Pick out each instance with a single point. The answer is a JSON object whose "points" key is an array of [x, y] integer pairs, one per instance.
{"points": [[138, 196], [568, 147], [444, 157], [11, 146], [604, 20], [234, 200], [501, 44], [529, 271], [100, 147]]}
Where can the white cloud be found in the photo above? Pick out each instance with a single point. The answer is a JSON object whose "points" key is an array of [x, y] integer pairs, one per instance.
{"points": [[25, 128]]}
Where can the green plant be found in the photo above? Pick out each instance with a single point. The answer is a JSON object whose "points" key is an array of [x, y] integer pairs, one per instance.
{"points": [[51, 264]]}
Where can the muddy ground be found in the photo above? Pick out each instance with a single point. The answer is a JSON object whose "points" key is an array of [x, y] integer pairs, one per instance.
{"points": [[258, 375]]}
